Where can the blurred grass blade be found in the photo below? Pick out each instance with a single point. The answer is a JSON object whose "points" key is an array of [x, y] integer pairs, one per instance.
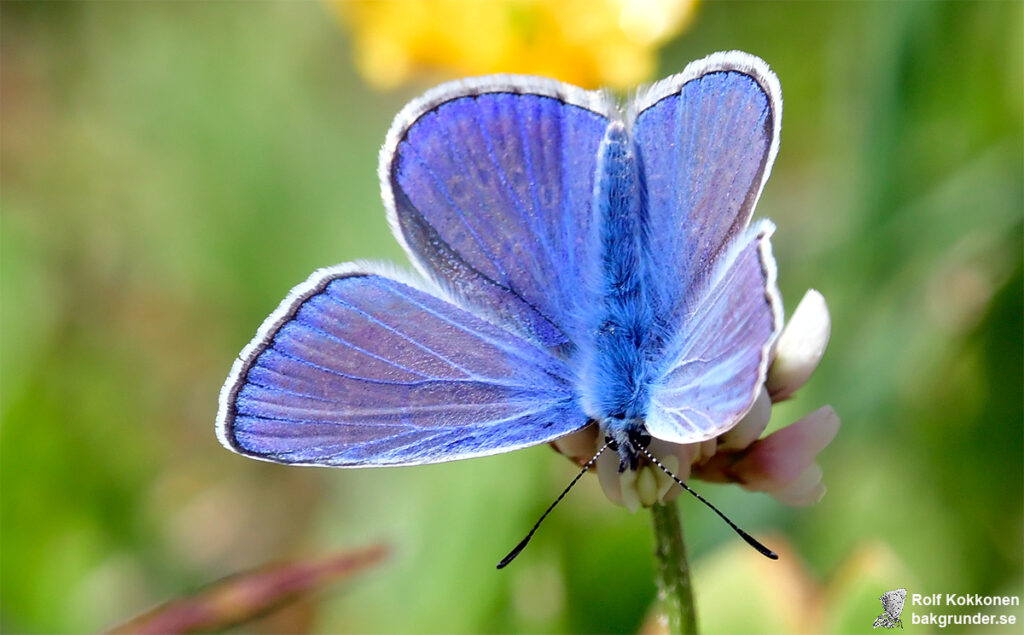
{"points": [[248, 595]]}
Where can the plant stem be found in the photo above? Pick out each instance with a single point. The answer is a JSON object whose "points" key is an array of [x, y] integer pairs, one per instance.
{"points": [[673, 571]]}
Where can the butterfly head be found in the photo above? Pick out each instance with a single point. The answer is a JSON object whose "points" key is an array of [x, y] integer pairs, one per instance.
{"points": [[627, 437]]}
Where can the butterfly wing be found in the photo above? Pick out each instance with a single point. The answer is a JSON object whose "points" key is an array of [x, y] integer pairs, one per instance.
{"points": [[488, 185], [892, 602], [706, 139], [357, 369], [716, 364]]}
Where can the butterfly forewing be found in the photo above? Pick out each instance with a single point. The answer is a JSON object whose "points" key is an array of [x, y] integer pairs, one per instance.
{"points": [[706, 139], [489, 186]]}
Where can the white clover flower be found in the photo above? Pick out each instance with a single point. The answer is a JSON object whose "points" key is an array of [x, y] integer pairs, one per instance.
{"points": [[781, 464]]}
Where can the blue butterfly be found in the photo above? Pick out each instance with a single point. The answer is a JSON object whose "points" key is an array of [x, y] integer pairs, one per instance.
{"points": [[582, 264]]}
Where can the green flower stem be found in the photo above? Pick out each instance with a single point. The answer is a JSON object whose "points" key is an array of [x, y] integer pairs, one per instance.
{"points": [[673, 571]]}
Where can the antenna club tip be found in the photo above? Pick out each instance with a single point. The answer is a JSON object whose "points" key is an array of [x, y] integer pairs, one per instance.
{"points": [[522, 544], [507, 560]]}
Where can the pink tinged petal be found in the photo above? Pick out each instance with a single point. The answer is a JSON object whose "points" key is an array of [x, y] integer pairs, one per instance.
{"points": [[706, 450], [716, 470], [579, 446], [800, 347], [780, 458], [750, 427], [807, 489]]}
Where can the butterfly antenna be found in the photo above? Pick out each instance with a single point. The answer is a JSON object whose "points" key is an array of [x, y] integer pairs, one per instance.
{"points": [[522, 544], [765, 551]]}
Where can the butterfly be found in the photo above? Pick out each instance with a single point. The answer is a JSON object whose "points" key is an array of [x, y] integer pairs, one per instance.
{"points": [[580, 263], [892, 605]]}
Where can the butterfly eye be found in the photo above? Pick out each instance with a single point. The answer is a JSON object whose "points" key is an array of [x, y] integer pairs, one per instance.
{"points": [[640, 439]]}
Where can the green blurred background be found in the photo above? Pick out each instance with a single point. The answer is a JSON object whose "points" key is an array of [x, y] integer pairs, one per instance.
{"points": [[170, 170]]}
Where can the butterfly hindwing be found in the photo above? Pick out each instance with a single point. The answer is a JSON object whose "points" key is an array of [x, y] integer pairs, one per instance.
{"points": [[357, 369], [489, 186], [715, 365]]}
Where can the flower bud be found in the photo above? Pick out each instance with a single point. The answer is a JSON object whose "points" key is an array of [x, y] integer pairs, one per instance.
{"points": [[800, 347]]}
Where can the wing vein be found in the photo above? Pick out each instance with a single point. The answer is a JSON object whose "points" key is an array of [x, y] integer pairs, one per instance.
{"points": [[343, 342], [454, 206], [503, 346], [401, 334]]}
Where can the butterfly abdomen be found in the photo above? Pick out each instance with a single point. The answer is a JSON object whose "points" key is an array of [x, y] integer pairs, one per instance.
{"points": [[619, 368]]}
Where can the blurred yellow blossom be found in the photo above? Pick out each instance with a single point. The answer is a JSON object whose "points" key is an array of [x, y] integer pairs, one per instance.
{"points": [[590, 43]]}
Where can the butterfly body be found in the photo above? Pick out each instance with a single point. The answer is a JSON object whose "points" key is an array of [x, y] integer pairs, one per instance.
{"points": [[622, 334], [580, 264]]}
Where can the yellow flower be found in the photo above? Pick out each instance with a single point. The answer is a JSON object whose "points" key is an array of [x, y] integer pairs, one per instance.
{"points": [[590, 43]]}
